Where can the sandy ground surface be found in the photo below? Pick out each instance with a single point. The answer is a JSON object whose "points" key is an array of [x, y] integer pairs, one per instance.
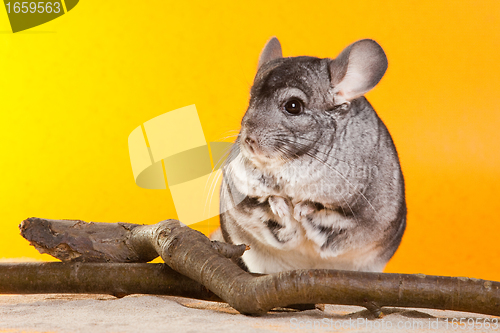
{"points": [[146, 313]]}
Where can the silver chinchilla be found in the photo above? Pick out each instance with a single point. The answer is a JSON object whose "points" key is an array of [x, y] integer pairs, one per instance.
{"points": [[313, 179]]}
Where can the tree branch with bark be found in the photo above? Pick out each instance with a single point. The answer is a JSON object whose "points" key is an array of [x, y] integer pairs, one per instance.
{"points": [[203, 269]]}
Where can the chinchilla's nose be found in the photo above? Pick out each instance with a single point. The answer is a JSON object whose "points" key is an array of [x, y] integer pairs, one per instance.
{"points": [[251, 142]]}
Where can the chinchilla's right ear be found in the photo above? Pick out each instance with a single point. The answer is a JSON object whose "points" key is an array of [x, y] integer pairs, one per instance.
{"points": [[271, 51], [357, 70]]}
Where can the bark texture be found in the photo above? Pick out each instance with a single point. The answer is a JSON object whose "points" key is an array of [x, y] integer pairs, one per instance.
{"points": [[193, 255], [98, 278]]}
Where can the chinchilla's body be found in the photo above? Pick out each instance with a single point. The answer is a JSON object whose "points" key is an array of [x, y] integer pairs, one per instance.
{"points": [[313, 180]]}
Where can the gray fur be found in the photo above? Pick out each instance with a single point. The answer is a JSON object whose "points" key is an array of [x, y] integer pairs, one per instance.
{"points": [[318, 189]]}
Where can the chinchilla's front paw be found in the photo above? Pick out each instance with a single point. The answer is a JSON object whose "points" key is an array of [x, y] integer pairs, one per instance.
{"points": [[279, 206], [302, 209]]}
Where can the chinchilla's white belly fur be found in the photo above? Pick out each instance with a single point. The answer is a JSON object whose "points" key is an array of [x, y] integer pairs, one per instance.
{"points": [[270, 260]]}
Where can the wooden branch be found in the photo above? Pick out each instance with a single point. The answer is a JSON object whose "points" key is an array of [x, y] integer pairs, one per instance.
{"points": [[78, 241], [98, 278], [192, 254]]}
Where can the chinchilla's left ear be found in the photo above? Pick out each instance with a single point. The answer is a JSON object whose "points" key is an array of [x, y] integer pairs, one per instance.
{"points": [[271, 51], [357, 70]]}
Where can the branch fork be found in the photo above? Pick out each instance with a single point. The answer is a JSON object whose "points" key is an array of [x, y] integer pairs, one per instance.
{"points": [[203, 265]]}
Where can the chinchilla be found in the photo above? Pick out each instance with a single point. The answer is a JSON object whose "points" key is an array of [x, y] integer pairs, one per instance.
{"points": [[313, 179]]}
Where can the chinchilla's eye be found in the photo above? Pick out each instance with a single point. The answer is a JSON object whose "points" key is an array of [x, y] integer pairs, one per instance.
{"points": [[293, 106]]}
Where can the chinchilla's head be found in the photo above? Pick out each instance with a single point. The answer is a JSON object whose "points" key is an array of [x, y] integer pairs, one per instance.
{"points": [[298, 104]]}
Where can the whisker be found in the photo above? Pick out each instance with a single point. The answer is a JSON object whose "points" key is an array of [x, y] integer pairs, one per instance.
{"points": [[223, 158], [213, 182], [349, 183], [324, 162], [301, 145], [343, 197], [212, 192], [227, 137]]}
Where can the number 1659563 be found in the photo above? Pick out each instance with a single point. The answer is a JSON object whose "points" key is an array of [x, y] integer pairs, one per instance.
{"points": [[32, 7]]}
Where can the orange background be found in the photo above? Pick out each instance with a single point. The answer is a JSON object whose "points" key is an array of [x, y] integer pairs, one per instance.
{"points": [[73, 89]]}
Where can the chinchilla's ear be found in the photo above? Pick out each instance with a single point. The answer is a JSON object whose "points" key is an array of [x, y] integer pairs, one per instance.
{"points": [[271, 51], [357, 70]]}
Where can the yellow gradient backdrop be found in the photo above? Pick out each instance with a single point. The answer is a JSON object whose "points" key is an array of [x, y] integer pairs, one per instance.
{"points": [[72, 90]]}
